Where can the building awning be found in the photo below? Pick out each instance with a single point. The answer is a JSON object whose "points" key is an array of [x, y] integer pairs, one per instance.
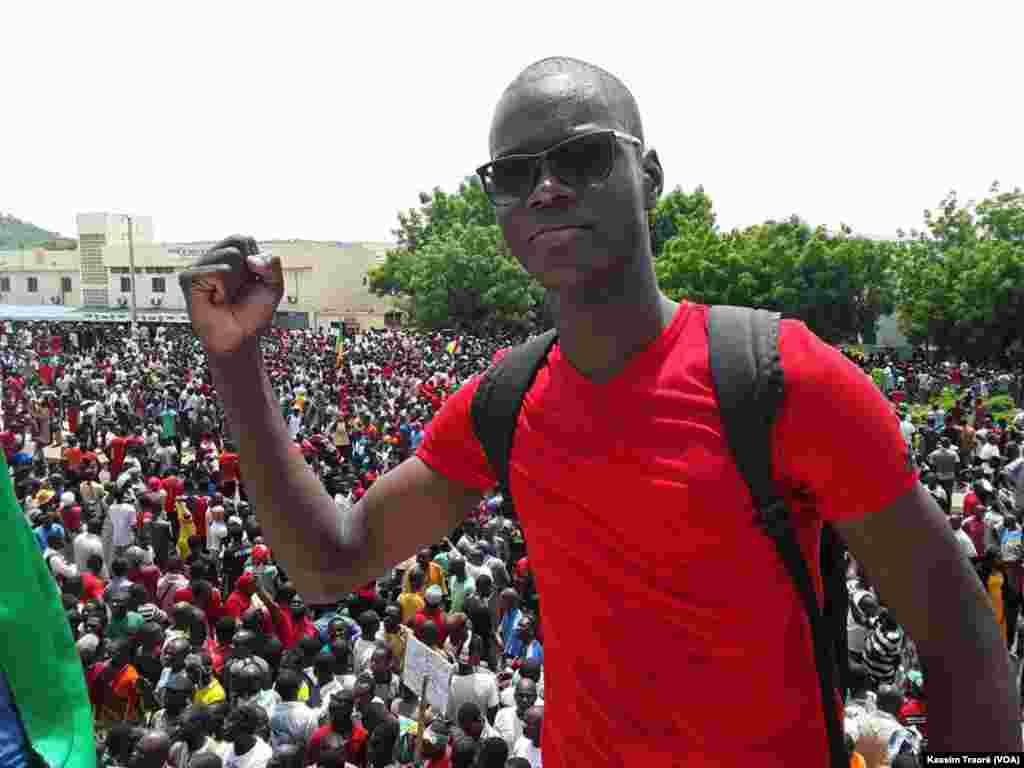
{"points": [[57, 313]]}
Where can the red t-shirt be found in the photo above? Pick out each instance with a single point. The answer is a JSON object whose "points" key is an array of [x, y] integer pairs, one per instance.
{"points": [[118, 446], [174, 486], [92, 587], [633, 507], [355, 746], [228, 467], [199, 514]]}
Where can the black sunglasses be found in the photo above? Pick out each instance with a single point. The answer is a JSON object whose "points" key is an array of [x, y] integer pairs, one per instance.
{"points": [[579, 162]]}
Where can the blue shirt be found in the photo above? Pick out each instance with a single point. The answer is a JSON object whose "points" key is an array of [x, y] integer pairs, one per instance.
{"points": [[12, 735]]}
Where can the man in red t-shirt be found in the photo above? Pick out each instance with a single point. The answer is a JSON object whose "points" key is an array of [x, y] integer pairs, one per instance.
{"points": [[340, 709], [624, 483], [116, 450]]}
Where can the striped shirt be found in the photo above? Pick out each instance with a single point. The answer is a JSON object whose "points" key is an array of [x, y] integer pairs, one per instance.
{"points": [[882, 651]]}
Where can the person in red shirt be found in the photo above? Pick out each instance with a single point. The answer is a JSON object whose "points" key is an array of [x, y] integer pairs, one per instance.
{"points": [[340, 709], [116, 449], [290, 618], [433, 612], [92, 583], [625, 484], [10, 444], [229, 469], [174, 486], [240, 599]]}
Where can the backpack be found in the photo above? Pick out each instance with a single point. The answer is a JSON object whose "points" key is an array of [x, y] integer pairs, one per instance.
{"points": [[749, 382]]}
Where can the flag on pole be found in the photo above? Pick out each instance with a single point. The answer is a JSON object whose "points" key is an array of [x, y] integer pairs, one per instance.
{"points": [[452, 346], [38, 655]]}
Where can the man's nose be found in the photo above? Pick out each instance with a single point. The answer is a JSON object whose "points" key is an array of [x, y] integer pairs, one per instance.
{"points": [[550, 190]]}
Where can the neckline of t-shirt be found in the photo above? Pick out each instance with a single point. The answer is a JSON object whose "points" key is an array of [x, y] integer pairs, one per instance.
{"points": [[560, 365]]}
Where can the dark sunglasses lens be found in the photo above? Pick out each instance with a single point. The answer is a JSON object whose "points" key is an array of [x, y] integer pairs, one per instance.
{"points": [[509, 180], [584, 161]]}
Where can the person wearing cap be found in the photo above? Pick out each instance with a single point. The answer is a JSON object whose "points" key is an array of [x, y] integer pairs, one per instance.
{"points": [[217, 529], [433, 612], [240, 599], [261, 566]]}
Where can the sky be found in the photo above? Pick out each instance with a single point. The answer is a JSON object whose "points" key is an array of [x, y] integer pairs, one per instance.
{"points": [[318, 120]]}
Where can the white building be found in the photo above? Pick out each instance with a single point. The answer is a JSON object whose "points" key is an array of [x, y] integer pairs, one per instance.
{"points": [[325, 282]]}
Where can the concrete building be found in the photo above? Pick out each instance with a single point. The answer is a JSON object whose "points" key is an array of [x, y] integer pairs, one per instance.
{"points": [[325, 282], [37, 276]]}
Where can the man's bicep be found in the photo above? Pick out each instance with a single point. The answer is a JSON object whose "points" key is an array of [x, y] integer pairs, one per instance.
{"points": [[911, 556], [412, 506]]}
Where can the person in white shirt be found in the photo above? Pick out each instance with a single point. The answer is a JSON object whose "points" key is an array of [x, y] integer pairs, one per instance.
{"points": [[908, 430], [509, 721], [528, 745], [245, 748], [217, 530], [1014, 473], [54, 558], [88, 543], [291, 721], [472, 684], [962, 539], [123, 516]]}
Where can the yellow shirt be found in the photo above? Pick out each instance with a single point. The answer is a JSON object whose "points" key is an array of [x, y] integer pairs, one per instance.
{"points": [[211, 694], [435, 576], [397, 643], [411, 602]]}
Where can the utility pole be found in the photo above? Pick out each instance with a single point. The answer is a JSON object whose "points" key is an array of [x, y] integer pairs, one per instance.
{"points": [[131, 267]]}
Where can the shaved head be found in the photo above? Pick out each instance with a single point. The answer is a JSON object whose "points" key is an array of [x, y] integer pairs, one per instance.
{"points": [[576, 86]]}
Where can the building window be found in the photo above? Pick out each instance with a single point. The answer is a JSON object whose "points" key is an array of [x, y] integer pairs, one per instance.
{"points": [[65, 284], [33, 285], [5, 284], [159, 285], [126, 285]]}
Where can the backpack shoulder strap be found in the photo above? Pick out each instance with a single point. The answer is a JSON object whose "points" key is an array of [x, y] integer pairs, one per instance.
{"points": [[495, 408], [746, 368]]}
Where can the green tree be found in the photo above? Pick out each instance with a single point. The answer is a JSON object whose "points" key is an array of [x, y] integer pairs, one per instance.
{"points": [[675, 208], [960, 281], [452, 267], [838, 284]]}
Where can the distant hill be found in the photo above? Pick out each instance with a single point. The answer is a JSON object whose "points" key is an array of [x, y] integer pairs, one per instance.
{"points": [[15, 234]]}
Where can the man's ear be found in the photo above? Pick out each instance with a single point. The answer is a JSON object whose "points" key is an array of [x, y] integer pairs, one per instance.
{"points": [[654, 179]]}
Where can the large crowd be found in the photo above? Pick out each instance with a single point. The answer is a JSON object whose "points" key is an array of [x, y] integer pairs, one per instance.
{"points": [[197, 649]]}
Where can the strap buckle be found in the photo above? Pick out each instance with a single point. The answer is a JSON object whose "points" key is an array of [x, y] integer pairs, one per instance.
{"points": [[773, 516]]}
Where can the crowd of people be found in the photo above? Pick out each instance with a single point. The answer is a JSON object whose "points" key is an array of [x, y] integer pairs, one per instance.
{"points": [[197, 649], [971, 464]]}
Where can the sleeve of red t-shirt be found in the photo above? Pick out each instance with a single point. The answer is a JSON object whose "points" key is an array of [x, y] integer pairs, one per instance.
{"points": [[836, 436], [450, 445]]}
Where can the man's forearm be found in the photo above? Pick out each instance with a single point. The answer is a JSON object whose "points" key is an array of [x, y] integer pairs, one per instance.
{"points": [[972, 700], [307, 531]]}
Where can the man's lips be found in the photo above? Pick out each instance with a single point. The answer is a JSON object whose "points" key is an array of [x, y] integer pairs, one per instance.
{"points": [[545, 230]]}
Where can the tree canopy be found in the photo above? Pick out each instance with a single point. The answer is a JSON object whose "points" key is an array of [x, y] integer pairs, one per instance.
{"points": [[452, 266], [957, 284]]}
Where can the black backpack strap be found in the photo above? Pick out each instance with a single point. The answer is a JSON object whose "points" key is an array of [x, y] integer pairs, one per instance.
{"points": [[495, 408], [747, 372]]}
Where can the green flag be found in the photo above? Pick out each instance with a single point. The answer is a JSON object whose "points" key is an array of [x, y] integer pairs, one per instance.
{"points": [[37, 652]]}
